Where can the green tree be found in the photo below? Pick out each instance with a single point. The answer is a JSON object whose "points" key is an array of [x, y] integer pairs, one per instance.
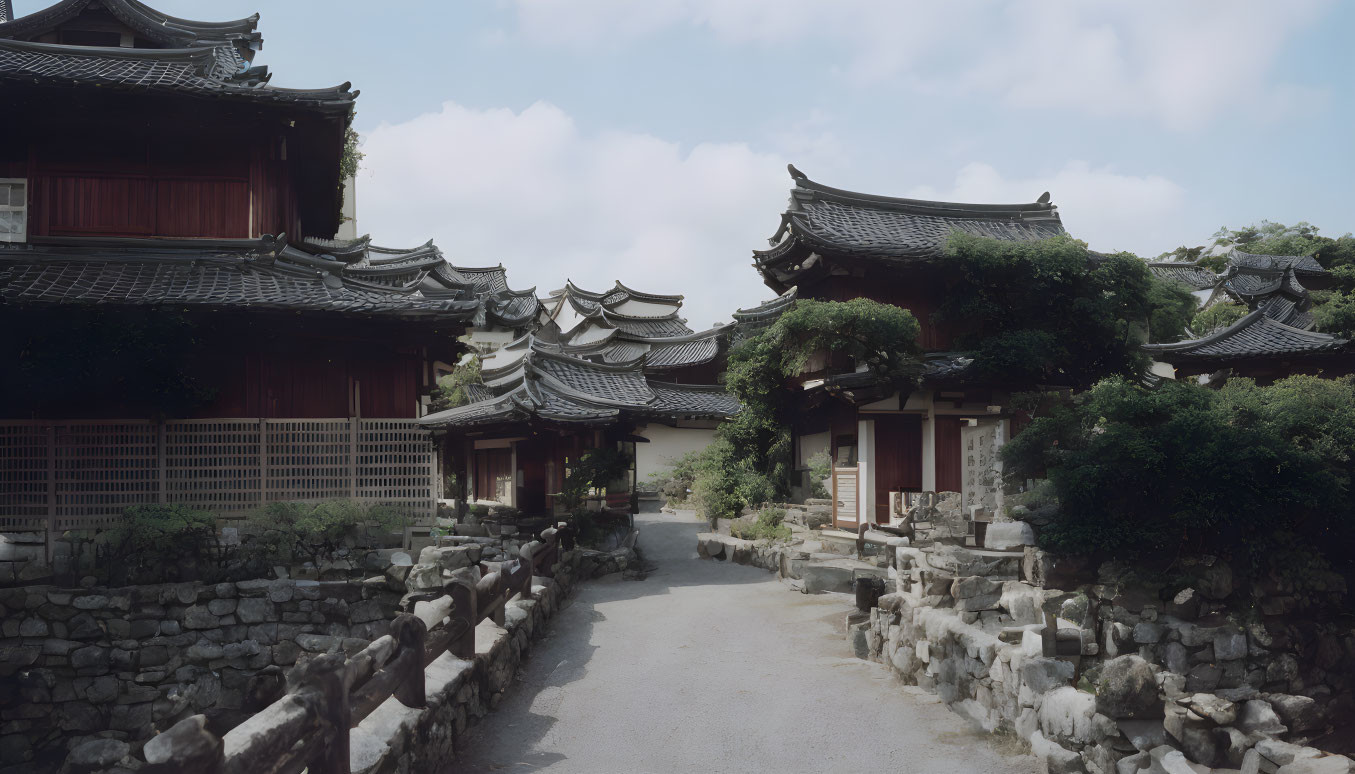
{"points": [[1217, 316], [1271, 238], [1049, 312], [453, 389]]}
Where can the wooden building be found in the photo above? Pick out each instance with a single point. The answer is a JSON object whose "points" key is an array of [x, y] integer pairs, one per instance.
{"points": [[150, 171], [837, 245], [541, 407], [622, 325]]}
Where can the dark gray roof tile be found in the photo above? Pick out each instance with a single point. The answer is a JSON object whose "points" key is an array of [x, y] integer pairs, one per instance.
{"points": [[1255, 335]]}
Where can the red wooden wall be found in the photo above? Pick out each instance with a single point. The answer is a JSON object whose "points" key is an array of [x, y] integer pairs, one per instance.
{"points": [[949, 454], [312, 385], [147, 187], [898, 458]]}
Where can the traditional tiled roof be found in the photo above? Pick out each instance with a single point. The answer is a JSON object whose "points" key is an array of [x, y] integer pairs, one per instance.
{"points": [[1189, 274], [621, 324], [658, 352], [503, 306], [1254, 336], [205, 59], [351, 278], [533, 380], [749, 322], [1279, 322], [147, 22], [823, 221], [1303, 264]]}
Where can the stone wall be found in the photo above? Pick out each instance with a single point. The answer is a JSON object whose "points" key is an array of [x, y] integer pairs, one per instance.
{"points": [[122, 663], [395, 738], [1112, 677]]}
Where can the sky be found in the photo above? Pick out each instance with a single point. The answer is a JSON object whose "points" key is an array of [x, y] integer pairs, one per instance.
{"points": [[646, 141]]}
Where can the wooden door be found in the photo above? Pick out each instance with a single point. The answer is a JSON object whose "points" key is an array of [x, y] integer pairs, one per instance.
{"points": [[532, 464], [898, 459]]}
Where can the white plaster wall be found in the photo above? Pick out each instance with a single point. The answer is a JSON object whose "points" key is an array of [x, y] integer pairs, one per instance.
{"points": [[348, 227], [666, 444], [588, 334], [813, 444], [645, 308], [565, 316]]}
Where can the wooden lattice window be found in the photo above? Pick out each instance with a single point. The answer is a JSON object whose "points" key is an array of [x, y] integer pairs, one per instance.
{"points": [[13, 209]]}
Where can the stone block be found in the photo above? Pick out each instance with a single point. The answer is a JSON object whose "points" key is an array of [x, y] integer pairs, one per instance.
{"points": [[1299, 713], [200, 617], [1203, 678], [96, 754], [130, 717], [1127, 689], [1230, 646], [254, 610], [1002, 536], [90, 659]]}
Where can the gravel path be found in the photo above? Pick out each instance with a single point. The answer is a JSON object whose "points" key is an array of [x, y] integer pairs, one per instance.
{"points": [[710, 667]]}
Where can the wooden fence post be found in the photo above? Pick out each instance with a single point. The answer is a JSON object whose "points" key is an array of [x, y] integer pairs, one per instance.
{"points": [[464, 610], [323, 686], [409, 632]]}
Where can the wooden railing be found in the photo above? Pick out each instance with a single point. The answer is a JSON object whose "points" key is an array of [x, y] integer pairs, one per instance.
{"points": [[308, 727]]}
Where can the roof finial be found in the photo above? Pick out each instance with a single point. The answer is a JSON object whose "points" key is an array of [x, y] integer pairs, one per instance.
{"points": [[795, 173], [6, 11], [1044, 198]]}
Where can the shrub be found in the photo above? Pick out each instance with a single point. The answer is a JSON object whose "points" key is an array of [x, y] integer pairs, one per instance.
{"points": [[675, 484], [768, 526], [161, 543], [596, 469], [298, 531], [820, 469], [1186, 470]]}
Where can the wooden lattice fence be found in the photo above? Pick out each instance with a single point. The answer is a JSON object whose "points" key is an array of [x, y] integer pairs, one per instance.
{"points": [[80, 474]]}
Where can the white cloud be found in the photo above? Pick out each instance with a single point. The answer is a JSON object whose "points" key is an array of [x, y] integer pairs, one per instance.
{"points": [[550, 202], [1181, 64], [1108, 210]]}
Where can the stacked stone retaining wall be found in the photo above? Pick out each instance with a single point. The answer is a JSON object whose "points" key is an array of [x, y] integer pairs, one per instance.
{"points": [[1110, 677]]}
